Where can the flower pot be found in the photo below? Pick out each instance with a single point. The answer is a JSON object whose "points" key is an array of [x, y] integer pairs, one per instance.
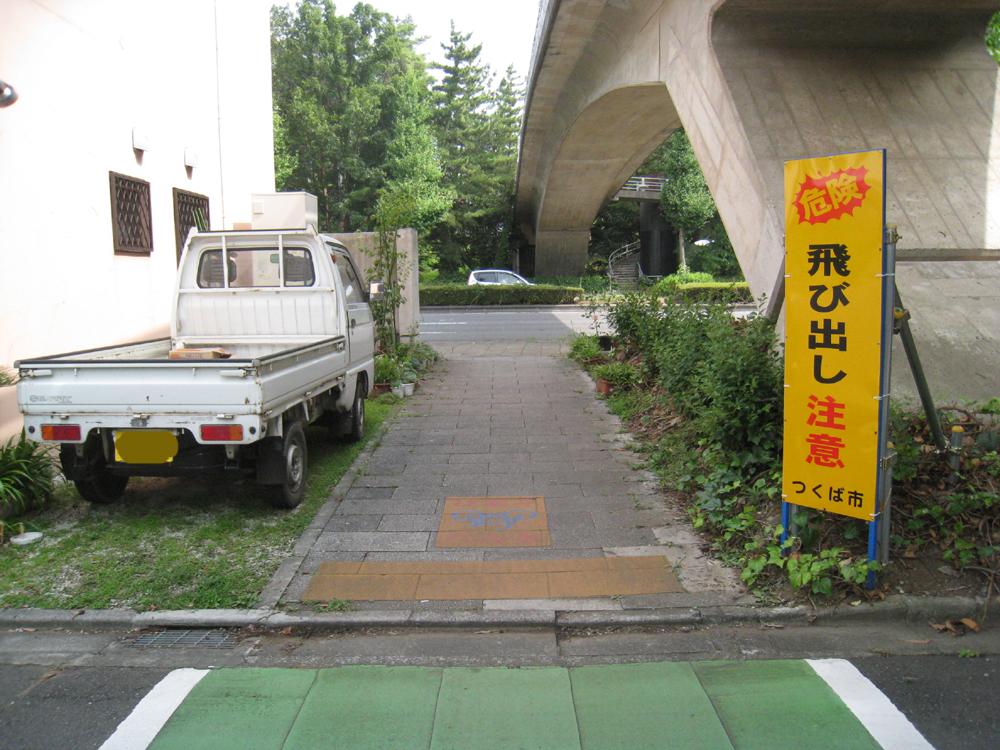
{"points": [[603, 386], [397, 390], [408, 389], [379, 388]]}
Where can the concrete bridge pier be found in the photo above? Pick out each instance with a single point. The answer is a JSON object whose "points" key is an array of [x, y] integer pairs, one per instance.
{"points": [[657, 241], [565, 252]]}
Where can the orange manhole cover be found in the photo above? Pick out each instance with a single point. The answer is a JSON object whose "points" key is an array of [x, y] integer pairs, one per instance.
{"points": [[494, 522], [493, 579]]}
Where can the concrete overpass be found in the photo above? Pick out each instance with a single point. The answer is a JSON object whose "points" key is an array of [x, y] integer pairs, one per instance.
{"points": [[757, 82]]}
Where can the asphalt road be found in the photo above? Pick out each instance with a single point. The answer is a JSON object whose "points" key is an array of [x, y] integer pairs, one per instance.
{"points": [[64, 688], [485, 325]]}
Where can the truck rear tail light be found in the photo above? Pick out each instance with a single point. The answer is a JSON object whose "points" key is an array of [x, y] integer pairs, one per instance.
{"points": [[222, 432], [61, 433]]}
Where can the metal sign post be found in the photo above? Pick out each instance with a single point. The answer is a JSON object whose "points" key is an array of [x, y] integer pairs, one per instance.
{"points": [[879, 526]]}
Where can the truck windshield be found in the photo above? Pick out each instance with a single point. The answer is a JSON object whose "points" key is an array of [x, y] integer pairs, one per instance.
{"points": [[256, 267]]}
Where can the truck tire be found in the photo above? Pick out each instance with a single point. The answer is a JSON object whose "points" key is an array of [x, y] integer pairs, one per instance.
{"points": [[91, 476], [295, 462], [102, 489], [356, 417]]}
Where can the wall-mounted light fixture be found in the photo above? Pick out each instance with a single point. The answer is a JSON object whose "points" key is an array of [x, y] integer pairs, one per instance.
{"points": [[7, 94], [190, 158]]}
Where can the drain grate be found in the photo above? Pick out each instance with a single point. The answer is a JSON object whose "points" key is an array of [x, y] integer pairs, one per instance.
{"points": [[186, 639]]}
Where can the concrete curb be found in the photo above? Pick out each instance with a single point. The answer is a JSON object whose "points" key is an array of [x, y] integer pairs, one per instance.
{"points": [[271, 594], [898, 609]]}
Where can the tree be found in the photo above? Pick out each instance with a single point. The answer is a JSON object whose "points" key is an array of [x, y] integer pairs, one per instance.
{"points": [[346, 89], [685, 201], [616, 225], [477, 129], [285, 162]]}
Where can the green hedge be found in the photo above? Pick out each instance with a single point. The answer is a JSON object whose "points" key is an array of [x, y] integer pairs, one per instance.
{"points": [[462, 294], [715, 291]]}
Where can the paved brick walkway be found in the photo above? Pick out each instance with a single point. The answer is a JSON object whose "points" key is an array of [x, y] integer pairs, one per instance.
{"points": [[491, 422]]}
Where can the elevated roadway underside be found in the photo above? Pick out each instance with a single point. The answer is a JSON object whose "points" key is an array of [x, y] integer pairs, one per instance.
{"points": [[758, 82]]}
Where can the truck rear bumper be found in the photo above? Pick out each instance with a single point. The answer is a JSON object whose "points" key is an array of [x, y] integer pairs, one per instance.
{"points": [[251, 426]]}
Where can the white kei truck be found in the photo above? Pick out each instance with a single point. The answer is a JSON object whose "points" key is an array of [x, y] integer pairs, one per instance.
{"points": [[270, 331]]}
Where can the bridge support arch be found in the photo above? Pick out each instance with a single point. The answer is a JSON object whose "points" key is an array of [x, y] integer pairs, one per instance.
{"points": [[754, 84], [604, 144]]}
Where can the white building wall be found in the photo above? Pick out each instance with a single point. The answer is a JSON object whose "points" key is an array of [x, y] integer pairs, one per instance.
{"points": [[192, 75]]}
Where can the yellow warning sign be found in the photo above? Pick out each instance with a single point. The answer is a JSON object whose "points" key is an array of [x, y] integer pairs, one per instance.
{"points": [[834, 224]]}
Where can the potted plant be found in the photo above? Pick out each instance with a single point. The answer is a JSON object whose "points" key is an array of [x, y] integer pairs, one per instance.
{"points": [[387, 372], [615, 375], [409, 381], [397, 388]]}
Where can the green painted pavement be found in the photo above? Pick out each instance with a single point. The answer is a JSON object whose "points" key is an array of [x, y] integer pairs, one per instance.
{"points": [[362, 707], [724, 705], [659, 705], [769, 704], [500, 708], [237, 708]]}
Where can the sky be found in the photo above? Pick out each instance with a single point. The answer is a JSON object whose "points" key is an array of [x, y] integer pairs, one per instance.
{"points": [[506, 29]]}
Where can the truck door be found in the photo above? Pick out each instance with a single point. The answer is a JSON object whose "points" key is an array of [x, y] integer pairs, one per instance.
{"points": [[359, 315]]}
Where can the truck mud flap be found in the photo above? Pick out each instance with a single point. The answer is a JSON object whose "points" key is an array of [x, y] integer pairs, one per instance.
{"points": [[270, 462]]}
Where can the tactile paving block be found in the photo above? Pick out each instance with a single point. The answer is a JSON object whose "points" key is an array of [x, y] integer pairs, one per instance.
{"points": [[493, 579], [493, 522]]}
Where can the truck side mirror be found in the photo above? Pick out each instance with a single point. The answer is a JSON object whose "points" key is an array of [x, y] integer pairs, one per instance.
{"points": [[376, 291]]}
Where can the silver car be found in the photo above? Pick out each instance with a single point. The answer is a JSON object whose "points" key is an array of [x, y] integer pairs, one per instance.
{"points": [[496, 276]]}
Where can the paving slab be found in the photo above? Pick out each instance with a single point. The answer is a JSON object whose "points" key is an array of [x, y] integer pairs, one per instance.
{"points": [[494, 421]]}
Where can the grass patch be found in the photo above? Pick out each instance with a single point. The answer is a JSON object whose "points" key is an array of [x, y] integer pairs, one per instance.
{"points": [[170, 543]]}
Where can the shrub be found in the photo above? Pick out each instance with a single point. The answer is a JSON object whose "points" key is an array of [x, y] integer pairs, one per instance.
{"points": [[724, 292], [589, 283], [585, 349], [632, 315], [739, 383], [699, 287], [420, 355], [668, 283], [6, 377], [461, 294], [619, 374], [387, 369], [678, 349], [25, 475]]}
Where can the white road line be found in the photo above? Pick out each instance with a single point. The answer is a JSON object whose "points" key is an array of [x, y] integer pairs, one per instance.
{"points": [[886, 723], [141, 726]]}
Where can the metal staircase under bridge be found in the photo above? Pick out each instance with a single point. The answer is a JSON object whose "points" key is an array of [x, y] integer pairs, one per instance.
{"points": [[623, 266]]}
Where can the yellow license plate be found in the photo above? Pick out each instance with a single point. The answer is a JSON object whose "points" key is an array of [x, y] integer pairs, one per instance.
{"points": [[145, 446]]}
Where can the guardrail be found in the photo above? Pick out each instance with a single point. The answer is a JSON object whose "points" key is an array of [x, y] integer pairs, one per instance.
{"points": [[644, 184]]}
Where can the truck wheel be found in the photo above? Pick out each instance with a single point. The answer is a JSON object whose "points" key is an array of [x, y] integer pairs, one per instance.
{"points": [[97, 484], [356, 425], [104, 488], [295, 460]]}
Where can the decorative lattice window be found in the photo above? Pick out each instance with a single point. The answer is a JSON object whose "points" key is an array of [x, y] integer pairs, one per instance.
{"points": [[131, 215], [190, 210]]}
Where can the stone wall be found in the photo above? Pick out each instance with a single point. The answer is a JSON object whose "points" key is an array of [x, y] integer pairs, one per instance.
{"points": [[362, 247]]}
